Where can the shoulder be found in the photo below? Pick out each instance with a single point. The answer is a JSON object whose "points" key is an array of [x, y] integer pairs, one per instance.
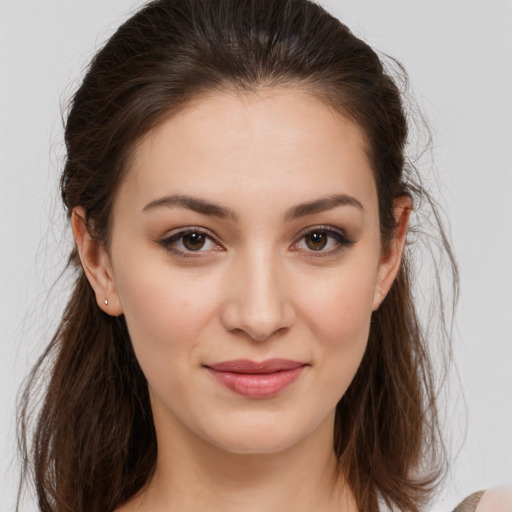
{"points": [[498, 499]]}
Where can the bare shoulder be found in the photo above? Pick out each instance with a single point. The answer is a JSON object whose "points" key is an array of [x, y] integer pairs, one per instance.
{"points": [[498, 499]]}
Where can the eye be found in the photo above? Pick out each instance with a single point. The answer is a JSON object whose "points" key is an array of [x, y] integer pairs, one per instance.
{"points": [[323, 240], [190, 241]]}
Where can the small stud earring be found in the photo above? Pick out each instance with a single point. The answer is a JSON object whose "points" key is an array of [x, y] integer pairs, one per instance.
{"points": [[106, 302]]}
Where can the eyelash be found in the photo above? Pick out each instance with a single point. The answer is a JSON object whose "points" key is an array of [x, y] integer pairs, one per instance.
{"points": [[341, 239]]}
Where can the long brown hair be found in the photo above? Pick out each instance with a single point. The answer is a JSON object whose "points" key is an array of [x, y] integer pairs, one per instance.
{"points": [[93, 446]]}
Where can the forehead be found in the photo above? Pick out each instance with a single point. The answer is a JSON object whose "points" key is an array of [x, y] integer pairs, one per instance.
{"points": [[270, 143]]}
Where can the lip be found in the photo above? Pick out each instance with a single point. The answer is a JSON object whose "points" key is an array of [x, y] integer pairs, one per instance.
{"points": [[256, 379]]}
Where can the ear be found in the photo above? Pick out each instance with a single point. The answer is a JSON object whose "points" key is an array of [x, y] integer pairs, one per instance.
{"points": [[392, 254], [96, 265]]}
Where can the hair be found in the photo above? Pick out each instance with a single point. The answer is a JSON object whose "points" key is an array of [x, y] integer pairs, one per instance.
{"points": [[93, 445]]}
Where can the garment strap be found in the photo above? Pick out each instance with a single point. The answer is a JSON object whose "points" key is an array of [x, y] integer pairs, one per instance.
{"points": [[470, 503]]}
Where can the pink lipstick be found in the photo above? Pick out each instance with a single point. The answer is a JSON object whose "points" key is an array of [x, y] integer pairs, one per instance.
{"points": [[256, 379]]}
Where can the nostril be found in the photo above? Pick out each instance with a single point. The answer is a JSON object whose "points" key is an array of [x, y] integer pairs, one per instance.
{"points": [[259, 335]]}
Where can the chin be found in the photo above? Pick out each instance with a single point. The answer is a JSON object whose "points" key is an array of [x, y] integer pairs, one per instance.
{"points": [[256, 436], [255, 444]]}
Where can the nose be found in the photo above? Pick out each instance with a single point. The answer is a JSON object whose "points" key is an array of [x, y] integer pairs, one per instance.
{"points": [[257, 302]]}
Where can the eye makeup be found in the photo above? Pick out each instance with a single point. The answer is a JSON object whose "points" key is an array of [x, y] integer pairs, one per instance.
{"points": [[317, 241]]}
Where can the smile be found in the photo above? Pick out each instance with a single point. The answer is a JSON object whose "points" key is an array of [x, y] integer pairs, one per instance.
{"points": [[256, 380]]}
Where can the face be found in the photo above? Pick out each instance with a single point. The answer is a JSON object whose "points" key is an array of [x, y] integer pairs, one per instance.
{"points": [[246, 258]]}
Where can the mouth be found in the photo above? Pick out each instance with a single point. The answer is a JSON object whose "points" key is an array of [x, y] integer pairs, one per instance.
{"points": [[256, 379]]}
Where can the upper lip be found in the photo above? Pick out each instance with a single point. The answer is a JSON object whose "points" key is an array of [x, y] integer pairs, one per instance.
{"points": [[248, 366]]}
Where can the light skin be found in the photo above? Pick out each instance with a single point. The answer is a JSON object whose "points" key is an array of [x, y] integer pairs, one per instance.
{"points": [[246, 227]]}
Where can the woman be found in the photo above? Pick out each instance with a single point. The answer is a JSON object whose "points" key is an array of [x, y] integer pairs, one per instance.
{"points": [[242, 333]]}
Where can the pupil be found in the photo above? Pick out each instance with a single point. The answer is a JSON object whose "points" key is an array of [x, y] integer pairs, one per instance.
{"points": [[317, 241], [194, 241]]}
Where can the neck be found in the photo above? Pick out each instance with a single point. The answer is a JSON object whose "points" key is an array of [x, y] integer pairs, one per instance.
{"points": [[193, 475]]}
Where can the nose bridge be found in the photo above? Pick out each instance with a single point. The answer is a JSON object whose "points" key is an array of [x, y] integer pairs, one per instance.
{"points": [[259, 301]]}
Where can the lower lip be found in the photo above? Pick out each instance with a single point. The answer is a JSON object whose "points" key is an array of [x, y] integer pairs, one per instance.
{"points": [[257, 385]]}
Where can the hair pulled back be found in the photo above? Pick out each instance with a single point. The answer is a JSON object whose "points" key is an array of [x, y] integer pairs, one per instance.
{"points": [[94, 444]]}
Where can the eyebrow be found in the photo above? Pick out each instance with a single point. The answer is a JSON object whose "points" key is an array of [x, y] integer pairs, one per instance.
{"points": [[195, 204], [322, 205], [204, 207]]}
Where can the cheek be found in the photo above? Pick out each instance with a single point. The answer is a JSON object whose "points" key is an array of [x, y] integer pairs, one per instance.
{"points": [[341, 309], [165, 311], [339, 315]]}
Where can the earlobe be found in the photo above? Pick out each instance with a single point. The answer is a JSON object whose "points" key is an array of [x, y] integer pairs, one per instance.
{"points": [[392, 256], [96, 264]]}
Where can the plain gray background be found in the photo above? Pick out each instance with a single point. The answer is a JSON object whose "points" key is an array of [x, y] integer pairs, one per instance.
{"points": [[459, 57]]}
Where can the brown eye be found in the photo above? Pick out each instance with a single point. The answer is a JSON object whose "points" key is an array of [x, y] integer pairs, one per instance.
{"points": [[323, 241], [316, 240], [194, 241], [190, 241]]}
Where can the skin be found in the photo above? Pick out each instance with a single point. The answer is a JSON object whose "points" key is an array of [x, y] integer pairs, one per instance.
{"points": [[259, 288]]}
